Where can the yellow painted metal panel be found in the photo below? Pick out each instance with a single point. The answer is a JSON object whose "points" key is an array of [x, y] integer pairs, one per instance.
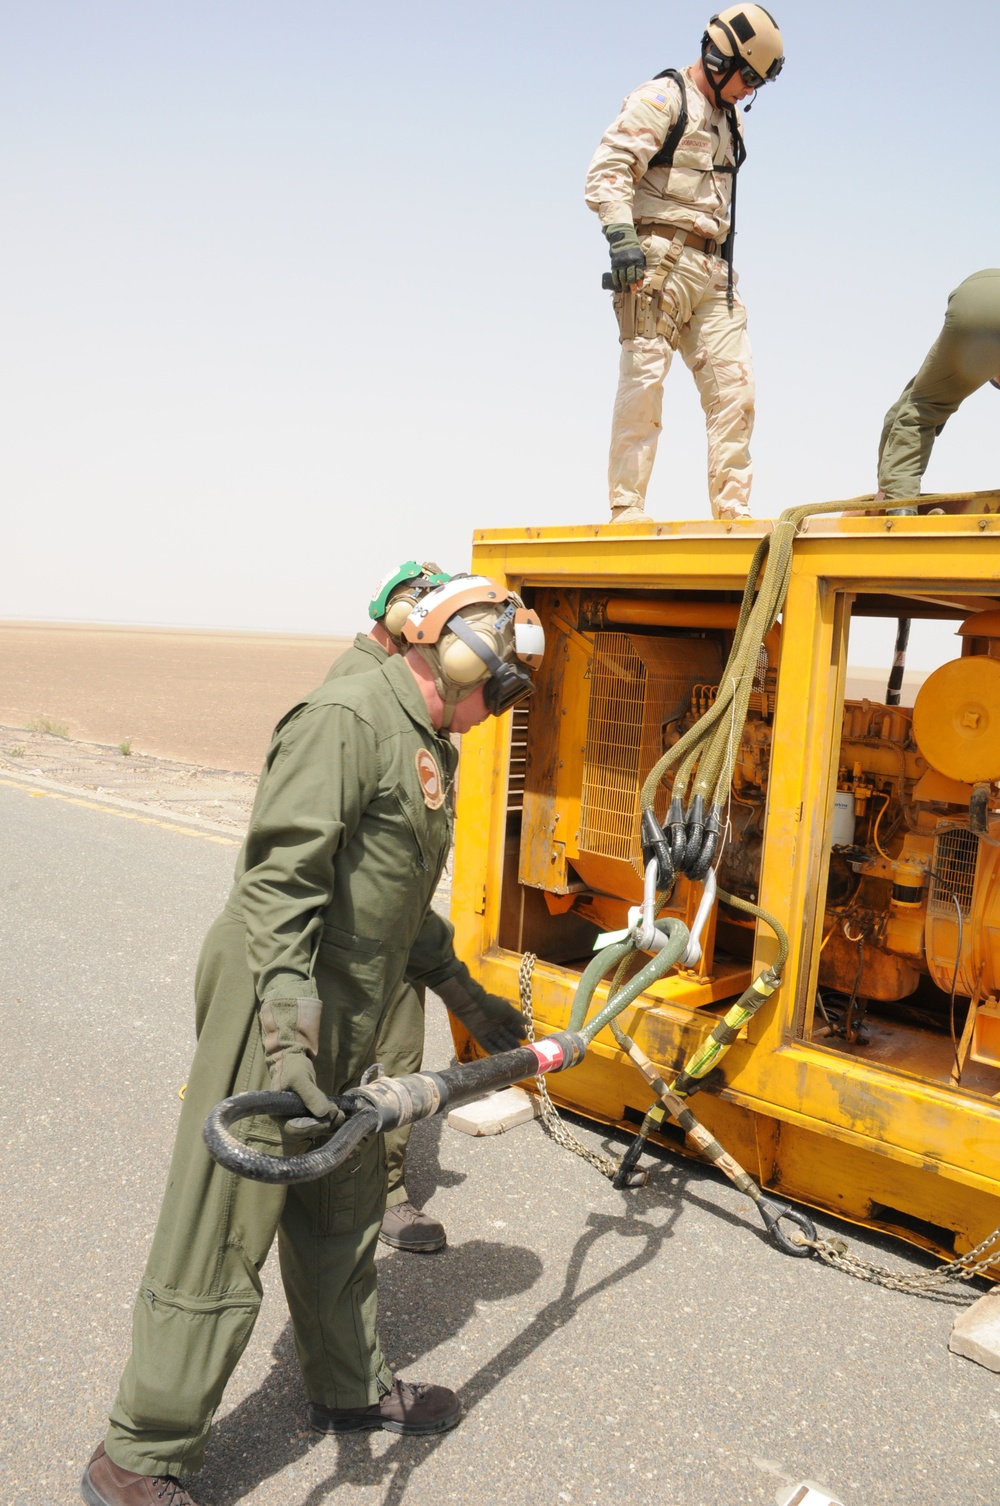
{"points": [[853, 1136]]}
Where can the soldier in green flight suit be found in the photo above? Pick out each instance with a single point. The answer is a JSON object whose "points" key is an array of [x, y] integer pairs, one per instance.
{"points": [[964, 357], [330, 911], [400, 1044]]}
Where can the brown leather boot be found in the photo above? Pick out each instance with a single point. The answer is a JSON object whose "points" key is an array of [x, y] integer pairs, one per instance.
{"points": [[408, 1228], [408, 1408], [105, 1483]]}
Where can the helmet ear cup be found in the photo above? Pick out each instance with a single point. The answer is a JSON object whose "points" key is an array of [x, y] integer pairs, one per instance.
{"points": [[460, 664], [396, 613], [714, 60]]}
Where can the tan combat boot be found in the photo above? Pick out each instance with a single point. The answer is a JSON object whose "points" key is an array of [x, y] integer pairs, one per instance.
{"points": [[631, 514], [405, 1227]]}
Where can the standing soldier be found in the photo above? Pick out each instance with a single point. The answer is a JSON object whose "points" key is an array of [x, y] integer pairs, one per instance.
{"points": [[330, 910], [663, 182], [964, 357], [400, 1043]]}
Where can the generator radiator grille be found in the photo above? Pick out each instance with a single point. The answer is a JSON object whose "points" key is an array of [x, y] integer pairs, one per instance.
{"points": [[955, 855], [610, 804], [639, 684]]}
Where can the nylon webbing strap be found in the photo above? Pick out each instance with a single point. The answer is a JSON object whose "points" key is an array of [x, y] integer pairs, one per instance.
{"points": [[479, 646], [665, 156]]}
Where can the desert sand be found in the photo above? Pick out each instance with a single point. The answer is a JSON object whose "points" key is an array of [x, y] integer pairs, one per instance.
{"points": [[206, 701], [207, 698]]}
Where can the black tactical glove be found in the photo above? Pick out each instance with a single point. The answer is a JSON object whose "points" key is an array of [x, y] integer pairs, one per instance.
{"points": [[627, 260], [490, 1020], [290, 1028]]}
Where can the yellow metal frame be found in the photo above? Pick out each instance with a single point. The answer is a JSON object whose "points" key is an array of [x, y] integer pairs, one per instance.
{"points": [[881, 1147]]}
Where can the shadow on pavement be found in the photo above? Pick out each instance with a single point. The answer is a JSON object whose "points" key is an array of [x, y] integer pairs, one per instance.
{"points": [[424, 1173], [267, 1432], [423, 1301]]}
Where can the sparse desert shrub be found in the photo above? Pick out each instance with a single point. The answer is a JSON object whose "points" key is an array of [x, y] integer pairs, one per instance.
{"points": [[46, 724]]}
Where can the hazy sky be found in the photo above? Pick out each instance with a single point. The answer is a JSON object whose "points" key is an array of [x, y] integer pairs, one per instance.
{"points": [[293, 291]]}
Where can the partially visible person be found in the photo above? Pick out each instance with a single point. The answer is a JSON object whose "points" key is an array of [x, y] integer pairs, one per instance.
{"points": [[329, 912], [663, 184], [964, 357], [400, 1043], [395, 597]]}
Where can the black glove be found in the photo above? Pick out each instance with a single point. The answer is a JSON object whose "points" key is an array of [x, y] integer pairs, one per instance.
{"points": [[627, 259], [490, 1020]]}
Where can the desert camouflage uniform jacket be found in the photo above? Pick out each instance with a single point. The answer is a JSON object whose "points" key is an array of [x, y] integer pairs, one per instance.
{"points": [[622, 187]]}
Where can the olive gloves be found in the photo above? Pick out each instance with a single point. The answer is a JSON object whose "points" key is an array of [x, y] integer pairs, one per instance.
{"points": [[627, 259], [490, 1020], [290, 1028]]}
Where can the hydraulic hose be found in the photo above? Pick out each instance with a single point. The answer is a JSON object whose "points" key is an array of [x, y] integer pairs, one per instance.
{"points": [[380, 1105], [748, 908], [705, 755], [256, 1165], [389, 1102], [894, 687], [671, 1099], [711, 1051], [676, 933]]}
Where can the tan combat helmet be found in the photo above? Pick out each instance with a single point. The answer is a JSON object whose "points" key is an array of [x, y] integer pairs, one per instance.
{"points": [[743, 39], [472, 631]]}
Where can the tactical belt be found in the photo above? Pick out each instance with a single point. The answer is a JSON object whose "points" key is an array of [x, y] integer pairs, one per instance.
{"points": [[667, 232]]}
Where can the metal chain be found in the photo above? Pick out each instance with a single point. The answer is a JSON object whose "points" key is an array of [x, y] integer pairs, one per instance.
{"points": [[833, 1252], [963, 1268], [549, 1116]]}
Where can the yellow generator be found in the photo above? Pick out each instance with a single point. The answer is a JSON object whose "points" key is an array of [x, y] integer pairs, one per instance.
{"points": [[868, 1083]]}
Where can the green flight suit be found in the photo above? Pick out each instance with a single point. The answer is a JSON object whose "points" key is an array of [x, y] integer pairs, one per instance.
{"points": [[962, 359], [400, 1043], [332, 899]]}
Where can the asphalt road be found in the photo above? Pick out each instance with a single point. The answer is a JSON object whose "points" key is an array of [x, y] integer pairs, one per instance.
{"points": [[641, 1347]]}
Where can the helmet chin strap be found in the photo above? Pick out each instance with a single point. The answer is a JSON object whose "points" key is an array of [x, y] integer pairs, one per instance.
{"points": [[717, 81], [450, 694], [451, 698], [725, 74]]}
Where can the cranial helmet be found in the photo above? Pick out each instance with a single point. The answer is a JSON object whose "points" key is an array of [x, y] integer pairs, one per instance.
{"points": [[399, 593], [743, 39], [472, 631]]}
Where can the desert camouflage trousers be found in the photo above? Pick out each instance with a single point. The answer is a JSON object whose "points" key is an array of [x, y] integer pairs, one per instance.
{"points": [[682, 306]]}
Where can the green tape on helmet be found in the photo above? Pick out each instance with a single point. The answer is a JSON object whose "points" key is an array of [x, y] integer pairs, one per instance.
{"points": [[398, 577]]}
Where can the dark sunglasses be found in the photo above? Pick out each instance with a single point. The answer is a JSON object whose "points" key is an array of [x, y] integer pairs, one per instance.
{"points": [[753, 79]]}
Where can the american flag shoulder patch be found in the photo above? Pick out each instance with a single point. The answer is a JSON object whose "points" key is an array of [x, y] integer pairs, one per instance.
{"points": [[658, 101]]}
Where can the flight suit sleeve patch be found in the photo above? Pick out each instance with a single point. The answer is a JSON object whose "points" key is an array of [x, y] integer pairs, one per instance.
{"points": [[431, 782]]}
